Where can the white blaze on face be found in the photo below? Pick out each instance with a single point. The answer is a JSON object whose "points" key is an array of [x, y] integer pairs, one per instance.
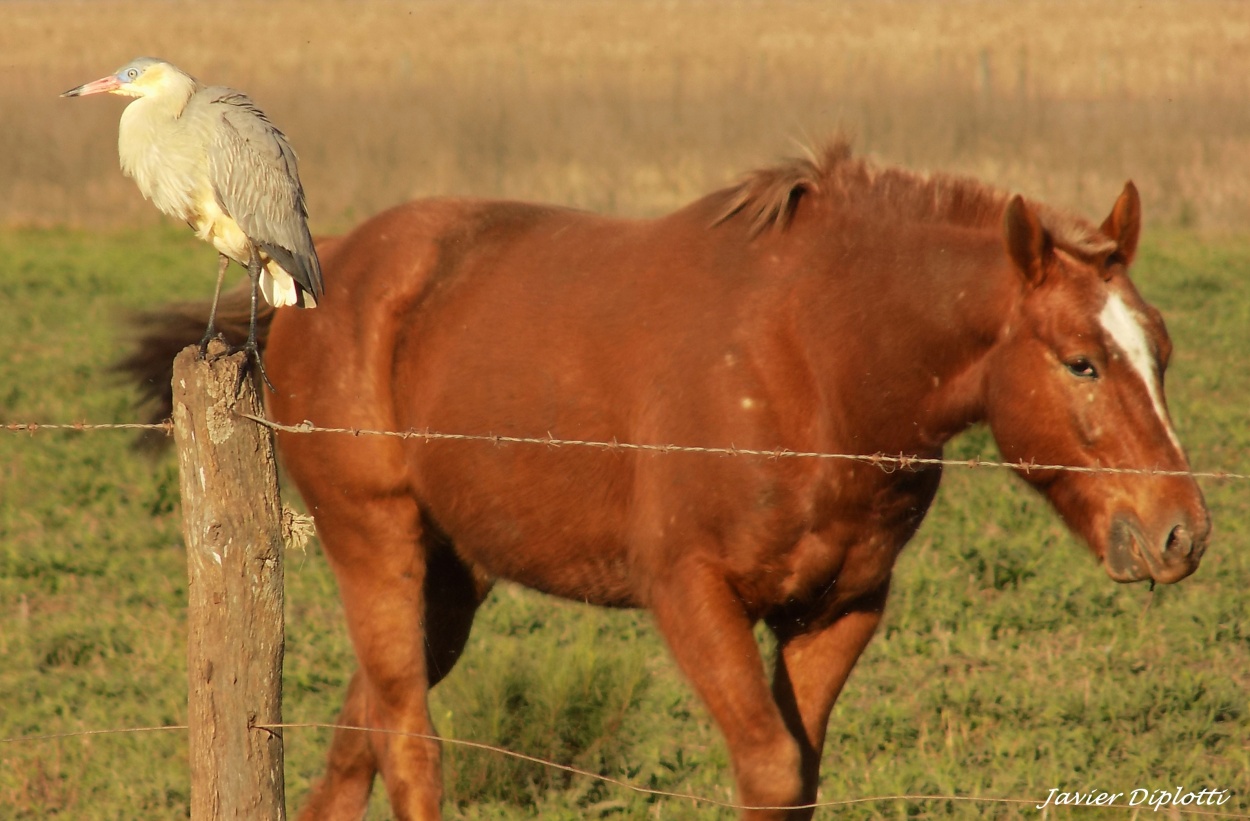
{"points": [[1125, 329]]}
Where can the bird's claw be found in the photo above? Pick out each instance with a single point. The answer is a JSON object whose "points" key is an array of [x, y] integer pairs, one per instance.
{"points": [[224, 348], [253, 353]]}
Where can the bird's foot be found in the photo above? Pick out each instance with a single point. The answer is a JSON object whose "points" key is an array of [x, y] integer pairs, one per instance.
{"points": [[253, 353]]}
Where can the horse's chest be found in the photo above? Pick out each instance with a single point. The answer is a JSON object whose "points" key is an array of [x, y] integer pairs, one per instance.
{"points": [[852, 549], [843, 562]]}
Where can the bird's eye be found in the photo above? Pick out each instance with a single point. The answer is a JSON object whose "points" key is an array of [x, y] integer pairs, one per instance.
{"points": [[132, 73], [1082, 368]]}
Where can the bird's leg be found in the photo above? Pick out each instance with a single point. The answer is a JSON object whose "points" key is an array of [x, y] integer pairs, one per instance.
{"points": [[222, 264], [253, 350]]}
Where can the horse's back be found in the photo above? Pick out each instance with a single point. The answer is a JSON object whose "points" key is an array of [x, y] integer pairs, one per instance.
{"points": [[432, 270]]}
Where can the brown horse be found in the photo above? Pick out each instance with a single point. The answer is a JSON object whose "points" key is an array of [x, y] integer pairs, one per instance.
{"points": [[822, 305]]}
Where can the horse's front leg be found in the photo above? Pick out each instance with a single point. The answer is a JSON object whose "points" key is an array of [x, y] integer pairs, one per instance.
{"points": [[710, 636], [812, 666]]}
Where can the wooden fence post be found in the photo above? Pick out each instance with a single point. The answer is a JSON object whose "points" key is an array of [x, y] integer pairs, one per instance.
{"points": [[232, 525]]}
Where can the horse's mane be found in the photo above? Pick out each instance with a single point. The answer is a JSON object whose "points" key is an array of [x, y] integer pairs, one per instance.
{"points": [[769, 197]]}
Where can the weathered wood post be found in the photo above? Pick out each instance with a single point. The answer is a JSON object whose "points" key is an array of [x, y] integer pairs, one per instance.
{"points": [[232, 524]]}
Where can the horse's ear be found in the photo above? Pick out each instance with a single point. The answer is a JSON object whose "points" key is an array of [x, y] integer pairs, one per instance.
{"points": [[1124, 223], [1027, 241]]}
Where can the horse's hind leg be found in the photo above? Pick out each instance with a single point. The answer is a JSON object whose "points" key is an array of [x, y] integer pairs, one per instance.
{"points": [[375, 547], [452, 592], [343, 792]]}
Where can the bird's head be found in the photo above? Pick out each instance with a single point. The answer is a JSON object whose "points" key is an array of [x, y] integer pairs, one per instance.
{"points": [[141, 77]]}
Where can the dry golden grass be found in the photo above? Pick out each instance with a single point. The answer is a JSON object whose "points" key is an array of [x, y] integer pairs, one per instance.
{"points": [[637, 107]]}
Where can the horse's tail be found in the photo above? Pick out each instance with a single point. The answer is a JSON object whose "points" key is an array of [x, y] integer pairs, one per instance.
{"points": [[163, 333]]}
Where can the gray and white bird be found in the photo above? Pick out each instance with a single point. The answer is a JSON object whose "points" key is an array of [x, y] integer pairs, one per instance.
{"points": [[207, 155]]}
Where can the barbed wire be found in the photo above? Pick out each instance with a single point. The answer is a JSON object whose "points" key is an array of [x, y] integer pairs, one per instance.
{"points": [[34, 427], [885, 462], [77, 733], [637, 788]]}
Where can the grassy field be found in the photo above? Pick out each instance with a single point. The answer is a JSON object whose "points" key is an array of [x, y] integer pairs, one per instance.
{"points": [[1008, 664]]}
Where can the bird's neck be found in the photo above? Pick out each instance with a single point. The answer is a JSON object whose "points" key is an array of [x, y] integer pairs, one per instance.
{"points": [[151, 140], [170, 99]]}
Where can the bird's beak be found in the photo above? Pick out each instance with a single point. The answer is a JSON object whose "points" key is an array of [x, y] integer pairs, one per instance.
{"points": [[109, 83]]}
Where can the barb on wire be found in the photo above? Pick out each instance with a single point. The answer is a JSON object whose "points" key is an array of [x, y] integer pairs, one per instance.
{"points": [[885, 462]]}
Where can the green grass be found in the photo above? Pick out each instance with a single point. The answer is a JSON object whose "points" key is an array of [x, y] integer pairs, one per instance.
{"points": [[1008, 663]]}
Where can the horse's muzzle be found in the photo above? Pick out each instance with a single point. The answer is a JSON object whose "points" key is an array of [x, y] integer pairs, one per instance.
{"points": [[1132, 556]]}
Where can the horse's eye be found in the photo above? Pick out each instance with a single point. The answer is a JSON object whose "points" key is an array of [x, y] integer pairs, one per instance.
{"points": [[1082, 367]]}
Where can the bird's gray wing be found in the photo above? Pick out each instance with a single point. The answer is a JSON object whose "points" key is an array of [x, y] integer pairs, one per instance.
{"points": [[256, 180]]}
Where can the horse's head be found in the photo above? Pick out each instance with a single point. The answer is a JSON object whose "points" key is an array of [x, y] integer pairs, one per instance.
{"points": [[1077, 379]]}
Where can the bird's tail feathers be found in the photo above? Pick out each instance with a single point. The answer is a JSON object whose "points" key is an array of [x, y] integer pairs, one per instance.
{"points": [[280, 289], [303, 268]]}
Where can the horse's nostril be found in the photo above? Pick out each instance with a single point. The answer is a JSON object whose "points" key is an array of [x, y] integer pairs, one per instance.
{"points": [[1179, 542]]}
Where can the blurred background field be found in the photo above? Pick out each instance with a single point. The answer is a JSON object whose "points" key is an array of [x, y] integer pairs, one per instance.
{"points": [[1008, 664], [639, 106]]}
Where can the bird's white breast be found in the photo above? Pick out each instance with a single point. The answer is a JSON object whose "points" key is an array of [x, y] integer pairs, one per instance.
{"points": [[164, 157]]}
